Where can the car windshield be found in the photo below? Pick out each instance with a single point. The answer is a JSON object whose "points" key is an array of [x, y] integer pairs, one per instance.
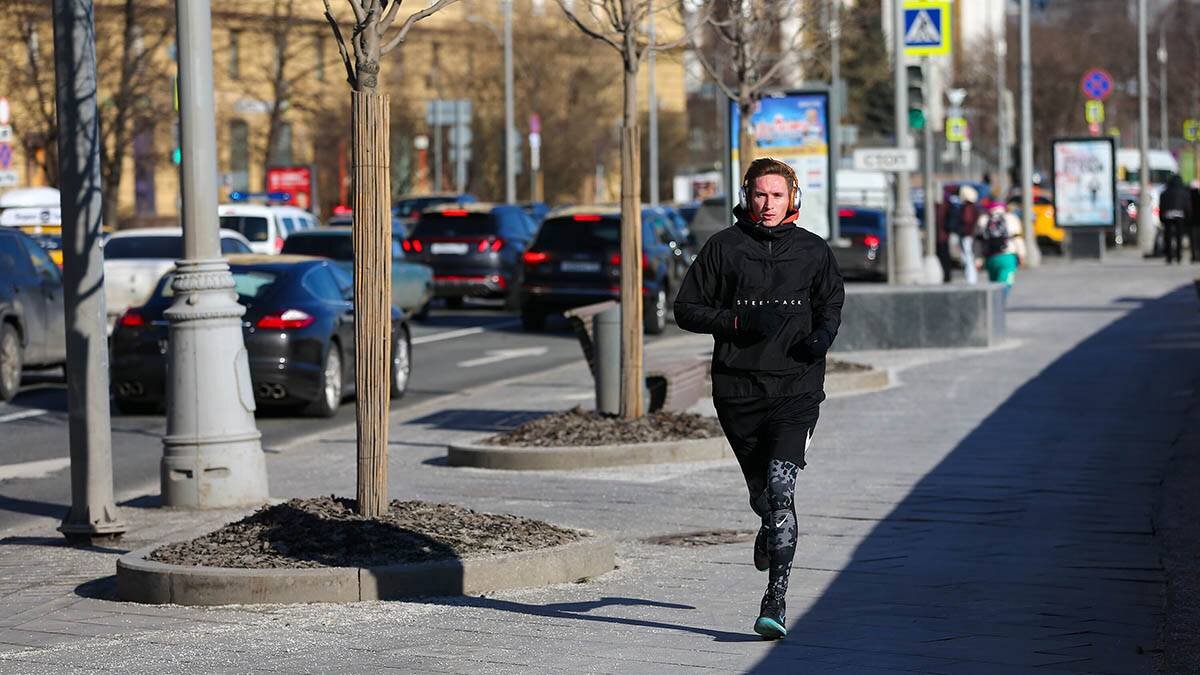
{"points": [[249, 284], [253, 228], [469, 225], [1157, 176], [337, 247], [411, 207], [169, 247], [569, 234]]}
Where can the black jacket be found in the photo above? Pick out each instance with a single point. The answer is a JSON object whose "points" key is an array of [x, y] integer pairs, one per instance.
{"points": [[1175, 203], [750, 269]]}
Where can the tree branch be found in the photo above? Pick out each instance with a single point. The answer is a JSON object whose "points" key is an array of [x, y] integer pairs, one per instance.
{"points": [[411, 20], [587, 30], [717, 79], [341, 43]]}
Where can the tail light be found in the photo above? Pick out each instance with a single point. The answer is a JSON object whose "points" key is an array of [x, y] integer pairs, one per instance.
{"points": [[412, 245], [493, 246], [535, 257], [406, 245], [457, 213], [587, 217], [615, 261], [871, 241], [287, 319], [497, 245], [846, 213], [131, 319], [278, 244]]}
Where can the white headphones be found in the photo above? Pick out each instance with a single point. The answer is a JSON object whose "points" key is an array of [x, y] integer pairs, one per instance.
{"points": [[793, 185]]}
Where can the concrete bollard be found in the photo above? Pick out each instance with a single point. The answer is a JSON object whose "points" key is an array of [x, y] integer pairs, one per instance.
{"points": [[606, 335]]}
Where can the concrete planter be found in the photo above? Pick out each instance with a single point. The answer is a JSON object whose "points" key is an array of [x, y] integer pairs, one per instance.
{"points": [[142, 580], [519, 458], [841, 384]]}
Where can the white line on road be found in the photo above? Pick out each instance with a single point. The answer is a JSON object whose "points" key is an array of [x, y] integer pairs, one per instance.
{"points": [[24, 415], [38, 469], [465, 332], [498, 355]]}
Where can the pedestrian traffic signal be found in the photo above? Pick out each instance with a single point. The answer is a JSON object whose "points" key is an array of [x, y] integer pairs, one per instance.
{"points": [[916, 97]]}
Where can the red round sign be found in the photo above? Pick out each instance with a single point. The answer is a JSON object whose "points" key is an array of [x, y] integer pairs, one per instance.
{"points": [[1096, 84]]}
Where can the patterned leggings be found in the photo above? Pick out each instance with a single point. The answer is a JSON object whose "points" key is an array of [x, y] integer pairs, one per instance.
{"points": [[776, 505]]}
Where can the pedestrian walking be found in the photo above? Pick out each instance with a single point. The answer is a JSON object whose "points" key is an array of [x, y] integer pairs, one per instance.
{"points": [[771, 295], [947, 209], [1194, 222], [1001, 245], [1175, 207], [968, 216]]}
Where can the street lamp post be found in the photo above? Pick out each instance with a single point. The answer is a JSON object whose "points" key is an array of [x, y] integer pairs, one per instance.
{"points": [[510, 129], [904, 229], [652, 103], [1145, 234], [212, 456], [1163, 135], [1033, 255]]}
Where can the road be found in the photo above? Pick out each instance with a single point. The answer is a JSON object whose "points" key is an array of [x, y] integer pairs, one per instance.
{"points": [[452, 350]]}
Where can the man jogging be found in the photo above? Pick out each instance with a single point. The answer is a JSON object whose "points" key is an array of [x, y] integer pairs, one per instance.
{"points": [[771, 295]]}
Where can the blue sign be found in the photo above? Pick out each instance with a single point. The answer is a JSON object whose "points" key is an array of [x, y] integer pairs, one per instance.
{"points": [[926, 27], [268, 196], [1096, 84]]}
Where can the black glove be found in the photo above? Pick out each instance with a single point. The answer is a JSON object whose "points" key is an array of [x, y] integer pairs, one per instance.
{"points": [[759, 323], [813, 347]]}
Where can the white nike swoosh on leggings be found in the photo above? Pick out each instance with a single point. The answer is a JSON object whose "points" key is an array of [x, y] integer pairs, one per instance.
{"points": [[780, 523]]}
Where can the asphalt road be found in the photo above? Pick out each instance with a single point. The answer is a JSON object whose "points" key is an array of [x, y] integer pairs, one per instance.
{"points": [[452, 351]]}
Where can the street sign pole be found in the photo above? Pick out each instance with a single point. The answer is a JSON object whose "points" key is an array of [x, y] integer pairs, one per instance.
{"points": [[93, 517], [1033, 255], [904, 222], [933, 267], [1145, 233], [212, 452]]}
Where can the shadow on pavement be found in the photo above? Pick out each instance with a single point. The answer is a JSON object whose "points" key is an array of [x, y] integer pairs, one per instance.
{"points": [[58, 542], [32, 507], [478, 420], [1031, 544]]}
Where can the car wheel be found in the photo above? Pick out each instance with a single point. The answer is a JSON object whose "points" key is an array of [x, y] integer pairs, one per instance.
{"points": [[454, 302], [329, 398], [423, 313], [10, 362], [655, 318], [533, 320], [401, 363]]}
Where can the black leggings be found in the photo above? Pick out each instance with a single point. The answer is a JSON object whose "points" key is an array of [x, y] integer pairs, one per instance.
{"points": [[769, 437]]}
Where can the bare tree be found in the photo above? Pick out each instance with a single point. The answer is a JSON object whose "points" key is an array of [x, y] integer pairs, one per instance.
{"points": [[373, 32], [28, 81], [749, 45], [621, 24]]}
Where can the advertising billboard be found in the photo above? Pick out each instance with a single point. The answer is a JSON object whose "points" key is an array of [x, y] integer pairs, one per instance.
{"points": [[792, 127], [297, 181], [1085, 182]]}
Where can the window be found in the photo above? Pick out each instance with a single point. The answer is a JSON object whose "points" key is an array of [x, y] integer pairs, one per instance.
{"points": [[469, 225], [253, 228], [336, 247], [289, 226], [235, 66], [229, 245], [320, 283], [239, 155], [568, 234], [281, 151], [144, 247], [344, 281], [46, 270]]}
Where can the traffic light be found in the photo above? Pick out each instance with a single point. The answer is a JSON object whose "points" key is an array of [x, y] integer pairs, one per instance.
{"points": [[916, 97]]}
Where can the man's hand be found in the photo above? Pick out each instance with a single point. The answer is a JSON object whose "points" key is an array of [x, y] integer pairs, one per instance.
{"points": [[758, 323], [814, 347]]}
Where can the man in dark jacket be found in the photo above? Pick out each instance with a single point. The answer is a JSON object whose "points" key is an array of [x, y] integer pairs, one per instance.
{"points": [[1174, 207], [771, 295]]}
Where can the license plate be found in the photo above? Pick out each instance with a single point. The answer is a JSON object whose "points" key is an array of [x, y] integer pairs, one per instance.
{"points": [[569, 266], [448, 249]]}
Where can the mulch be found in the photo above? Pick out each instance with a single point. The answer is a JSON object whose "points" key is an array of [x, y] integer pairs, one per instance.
{"points": [[326, 532], [579, 427]]}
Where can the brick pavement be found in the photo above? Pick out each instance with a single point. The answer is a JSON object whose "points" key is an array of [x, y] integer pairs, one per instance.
{"points": [[991, 515]]}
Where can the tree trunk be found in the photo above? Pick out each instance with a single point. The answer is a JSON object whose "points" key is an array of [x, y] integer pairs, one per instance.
{"points": [[632, 378], [372, 295]]}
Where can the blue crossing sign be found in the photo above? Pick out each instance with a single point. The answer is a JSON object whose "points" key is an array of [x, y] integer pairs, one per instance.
{"points": [[927, 27]]}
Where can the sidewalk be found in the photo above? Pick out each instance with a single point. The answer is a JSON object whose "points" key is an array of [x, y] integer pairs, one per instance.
{"points": [[991, 514]]}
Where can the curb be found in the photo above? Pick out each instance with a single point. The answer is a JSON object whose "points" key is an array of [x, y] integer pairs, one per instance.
{"points": [[586, 457], [145, 581], [844, 384]]}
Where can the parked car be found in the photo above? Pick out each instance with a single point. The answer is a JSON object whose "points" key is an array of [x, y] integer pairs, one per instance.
{"points": [[865, 231], [265, 227], [399, 229], [673, 231], [576, 260], [474, 249], [536, 210], [412, 283], [52, 245], [408, 208], [32, 330], [688, 210], [299, 333], [134, 261], [712, 217], [1045, 227]]}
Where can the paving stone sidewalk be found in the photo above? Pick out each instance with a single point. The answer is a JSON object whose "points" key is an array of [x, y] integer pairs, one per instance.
{"points": [[992, 514]]}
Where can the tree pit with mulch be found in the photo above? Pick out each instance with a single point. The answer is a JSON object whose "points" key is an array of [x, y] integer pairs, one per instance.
{"points": [[326, 532], [579, 427]]}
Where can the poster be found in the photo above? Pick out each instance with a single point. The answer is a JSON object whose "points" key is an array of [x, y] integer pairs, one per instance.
{"points": [[1085, 182], [792, 127], [297, 181]]}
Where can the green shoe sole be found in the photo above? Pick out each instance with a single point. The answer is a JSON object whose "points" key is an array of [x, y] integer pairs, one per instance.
{"points": [[769, 628]]}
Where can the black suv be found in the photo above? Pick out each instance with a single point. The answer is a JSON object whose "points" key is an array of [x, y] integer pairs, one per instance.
{"points": [[575, 260], [474, 249], [32, 330]]}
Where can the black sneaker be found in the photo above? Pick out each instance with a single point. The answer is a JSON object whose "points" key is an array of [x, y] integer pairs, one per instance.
{"points": [[762, 557], [770, 623]]}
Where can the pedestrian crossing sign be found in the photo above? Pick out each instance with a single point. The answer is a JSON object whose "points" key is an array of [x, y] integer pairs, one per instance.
{"points": [[927, 27]]}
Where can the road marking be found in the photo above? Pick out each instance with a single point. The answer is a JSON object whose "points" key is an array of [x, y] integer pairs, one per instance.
{"points": [[24, 415], [465, 332], [38, 469], [498, 355]]}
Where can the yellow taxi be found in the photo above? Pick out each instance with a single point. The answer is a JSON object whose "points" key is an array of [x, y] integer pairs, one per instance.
{"points": [[1045, 228]]}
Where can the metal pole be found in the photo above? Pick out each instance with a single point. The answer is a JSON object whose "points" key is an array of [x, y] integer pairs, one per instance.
{"points": [[510, 129], [1033, 256], [933, 266], [1164, 137], [1002, 140], [835, 124], [437, 146], [908, 245], [212, 456], [460, 149], [1145, 233], [93, 516], [652, 102], [606, 333]]}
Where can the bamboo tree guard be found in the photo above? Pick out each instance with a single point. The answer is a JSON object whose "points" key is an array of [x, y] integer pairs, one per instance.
{"points": [[372, 295]]}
